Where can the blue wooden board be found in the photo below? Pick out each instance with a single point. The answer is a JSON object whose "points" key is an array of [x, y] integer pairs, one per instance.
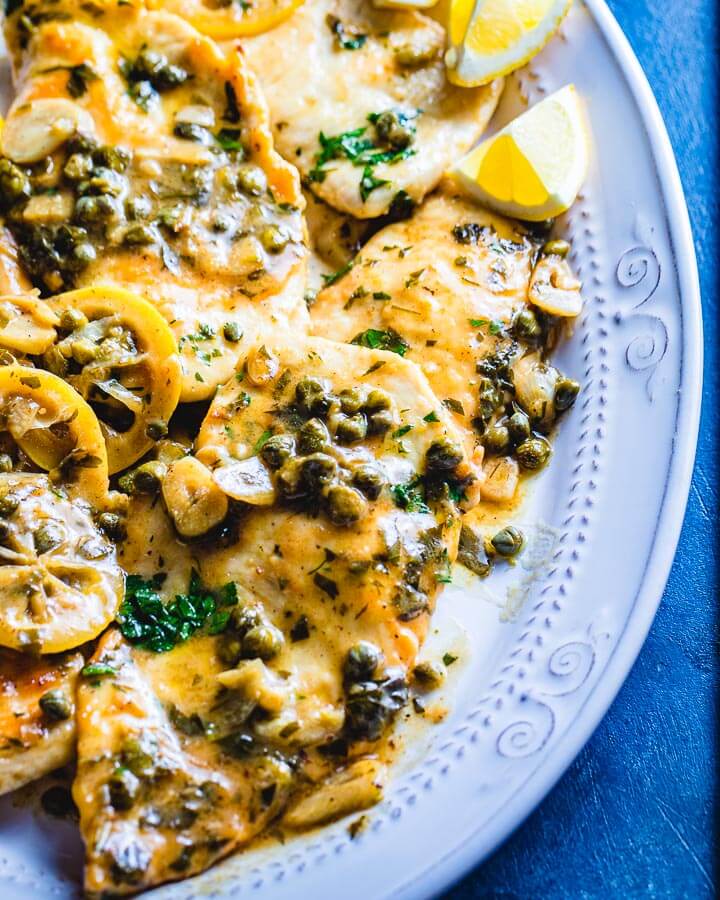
{"points": [[637, 814]]}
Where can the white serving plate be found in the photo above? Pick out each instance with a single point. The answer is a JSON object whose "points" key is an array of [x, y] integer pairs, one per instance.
{"points": [[535, 677]]}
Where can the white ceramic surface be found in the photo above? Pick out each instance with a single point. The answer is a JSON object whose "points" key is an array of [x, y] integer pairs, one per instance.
{"points": [[534, 681]]}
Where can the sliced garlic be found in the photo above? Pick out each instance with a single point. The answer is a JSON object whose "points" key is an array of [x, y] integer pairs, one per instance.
{"points": [[196, 114], [49, 209], [193, 500], [34, 130], [554, 289], [247, 480], [355, 788]]}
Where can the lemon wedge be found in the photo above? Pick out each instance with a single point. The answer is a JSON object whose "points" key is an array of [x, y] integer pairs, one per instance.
{"points": [[489, 38], [534, 167]]}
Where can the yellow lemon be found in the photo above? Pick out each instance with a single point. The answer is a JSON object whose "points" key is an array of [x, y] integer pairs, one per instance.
{"points": [[489, 38], [534, 167]]}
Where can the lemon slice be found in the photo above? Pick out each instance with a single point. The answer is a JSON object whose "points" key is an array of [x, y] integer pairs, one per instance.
{"points": [[534, 167], [226, 21], [489, 38], [59, 581]]}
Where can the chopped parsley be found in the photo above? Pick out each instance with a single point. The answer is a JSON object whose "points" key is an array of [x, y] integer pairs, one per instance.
{"points": [[449, 659], [410, 496], [363, 150], [97, 670], [78, 78], [148, 622], [262, 440], [229, 139], [431, 417], [382, 340], [336, 276], [369, 183]]}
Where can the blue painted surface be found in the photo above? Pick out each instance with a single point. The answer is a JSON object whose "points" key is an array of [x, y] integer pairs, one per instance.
{"points": [[638, 813]]}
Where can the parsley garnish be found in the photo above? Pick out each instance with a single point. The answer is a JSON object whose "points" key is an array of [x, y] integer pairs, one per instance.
{"points": [[361, 150], [382, 340], [229, 139], [410, 496], [78, 78], [449, 659], [148, 622], [97, 670], [369, 183], [431, 417], [336, 276]]}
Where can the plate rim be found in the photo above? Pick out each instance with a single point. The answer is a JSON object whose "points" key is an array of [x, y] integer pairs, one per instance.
{"points": [[459, 861]]}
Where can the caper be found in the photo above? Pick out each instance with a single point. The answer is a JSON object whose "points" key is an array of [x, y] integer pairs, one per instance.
{"points": [[145, 479], [6, 463], [289, 482], [351, 400], [78, 167], [96, 209], [72, 320], [345, 505], [156, 429], [112, 524], [232, 332], [496, 439], [489, 398], [243, 618], [368, 479], [159, 70], [508, 541], [392, 128], [566, 391], [313, 436], [138, 207], [316, 471], [104, 182], [312, 396], [251, 179], [533, 453], [472, 552], [277, 450], [557, 247], [171, 217], [5, 530], [48, 536], [351, 429], [274, 238], [518, 426], [84, 254], [380, 422], [123, 789], [81, 143], [55, 705], [115, 158], [8, 504], [84, 351], [525, 324], [140, 235], [378, 400], [14, 184], [413, 55], [263, 641], [362, 661], [230, 649], [189, 131], [443, 455], [222, 222], [429, 675]]}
